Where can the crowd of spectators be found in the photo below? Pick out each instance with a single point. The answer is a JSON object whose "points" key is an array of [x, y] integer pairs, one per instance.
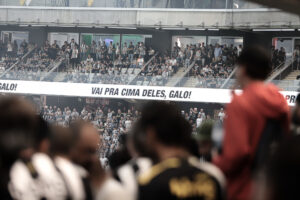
{"points": [[120, 64], [278, 56], [11, 52], [160, 158], [104, 63], [112, 121], [213, 63], [36, 64], [124, 63]]}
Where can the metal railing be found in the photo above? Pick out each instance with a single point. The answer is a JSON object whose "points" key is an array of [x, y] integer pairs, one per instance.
{"points": [[282, 70], [17, 62], [144, 67], [122, 79]]}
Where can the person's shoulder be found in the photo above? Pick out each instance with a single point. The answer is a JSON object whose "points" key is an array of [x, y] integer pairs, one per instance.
{"points": [[210, 169], [146, 177], [111, 189]]}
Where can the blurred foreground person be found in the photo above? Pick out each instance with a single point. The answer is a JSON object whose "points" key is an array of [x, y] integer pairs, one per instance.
{"points": [[204, 139], [295, 125], [128, 173], [37, 176], [18, 125], [101, 185], [74, 176], [176, 174], [255, 119], [283, 173]]}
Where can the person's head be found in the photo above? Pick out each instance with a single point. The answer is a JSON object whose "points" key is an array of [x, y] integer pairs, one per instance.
{"points": [[204, 139], [163, 127], [18, 130], [254, 64], [43, 136], [84, 152], [283, 171], [121, 155], [62, 141]]}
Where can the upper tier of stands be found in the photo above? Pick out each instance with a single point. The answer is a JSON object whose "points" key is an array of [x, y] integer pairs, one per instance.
{"points": [[191, 65]]}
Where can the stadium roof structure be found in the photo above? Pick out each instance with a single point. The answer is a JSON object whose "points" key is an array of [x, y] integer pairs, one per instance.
{"points": [[287, 5]]}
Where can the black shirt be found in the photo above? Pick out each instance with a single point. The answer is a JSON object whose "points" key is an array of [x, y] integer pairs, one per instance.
{"points": [[181, 179]]}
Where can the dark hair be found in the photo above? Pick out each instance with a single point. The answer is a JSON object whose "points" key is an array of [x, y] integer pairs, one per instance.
{"points": [[76, 127], [18, 124], [43, 130], [62, 140], [283, 170], [139, 140], [169, 125], [257, 62]]}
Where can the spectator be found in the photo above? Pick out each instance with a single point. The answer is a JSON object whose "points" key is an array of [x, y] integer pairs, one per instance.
{"points": [[217, 52], [166, 134], [130, 51], [74, 57], [62, 143], [282, 174], [221, 115], [18, 125], [83, 51], [204, 139], [247, 115], [296, 55]]}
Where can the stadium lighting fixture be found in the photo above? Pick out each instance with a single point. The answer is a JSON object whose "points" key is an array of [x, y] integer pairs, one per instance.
{"points": [[273, 30], [121, 27], [38, 25], [173, 28], [197, 29]]}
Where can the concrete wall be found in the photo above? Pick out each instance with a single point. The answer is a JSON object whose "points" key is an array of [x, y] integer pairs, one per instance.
{"points": [[161, 39], [100, 17]]}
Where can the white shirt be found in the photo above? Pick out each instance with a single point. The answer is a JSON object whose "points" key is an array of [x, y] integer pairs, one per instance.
{"points": [[221, 115], [111, 190], [199, 121], [73, 175], [128, 176], [127, 124], [48, 184]]}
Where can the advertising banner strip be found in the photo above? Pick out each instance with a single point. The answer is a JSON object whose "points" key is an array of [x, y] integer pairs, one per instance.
{"points": [[206, 95]]}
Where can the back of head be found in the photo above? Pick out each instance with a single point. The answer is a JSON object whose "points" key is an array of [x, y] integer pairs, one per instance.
{"points": [[43, 136], [86, 145], [18, 125], [257, 62], [166, 120], [62, 141]]}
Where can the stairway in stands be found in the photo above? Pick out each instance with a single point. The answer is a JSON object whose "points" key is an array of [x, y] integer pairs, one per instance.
{"points": [[191, 82], [289, 80], [293, 75], [175, 79]]}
